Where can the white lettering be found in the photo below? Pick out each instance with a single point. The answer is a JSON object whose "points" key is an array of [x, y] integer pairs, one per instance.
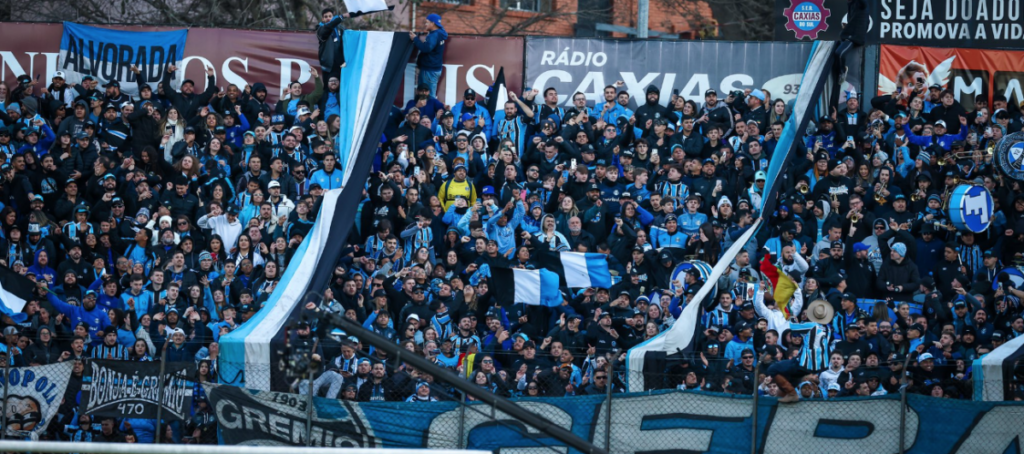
{"points": [[206, 64], [796, 425], [451, 84], [476, 84], [950, 9], [636, 89], [547, 58], [286, 72], [973, 88], [232, 77]]}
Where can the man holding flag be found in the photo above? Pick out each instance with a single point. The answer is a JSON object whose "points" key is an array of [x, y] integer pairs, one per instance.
{"points": [[774, 303]]}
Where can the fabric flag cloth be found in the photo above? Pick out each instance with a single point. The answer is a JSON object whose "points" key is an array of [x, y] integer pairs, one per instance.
{"points": [[577, 269], [533, 287], [15, 291], [782, 286], [108, 55], [497, 93], [816, 73], [994, 373], [681, 337], [376, 61], [365, 6]]}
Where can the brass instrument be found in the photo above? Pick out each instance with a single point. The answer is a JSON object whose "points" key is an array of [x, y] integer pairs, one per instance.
{"points": [[804, 189], [855, 218], [956, 156], [879, 198]]}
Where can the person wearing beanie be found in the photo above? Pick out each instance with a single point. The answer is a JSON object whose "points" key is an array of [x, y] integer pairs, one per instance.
{"points": [[431, 46], [899, 277]]}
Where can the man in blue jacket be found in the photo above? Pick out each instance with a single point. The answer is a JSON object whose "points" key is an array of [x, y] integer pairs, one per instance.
{"points": [[431, 47]]}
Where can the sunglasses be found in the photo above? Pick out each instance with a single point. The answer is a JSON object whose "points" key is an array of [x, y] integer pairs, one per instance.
{"points": [[600, 377], [746, 357], [487, 361]]}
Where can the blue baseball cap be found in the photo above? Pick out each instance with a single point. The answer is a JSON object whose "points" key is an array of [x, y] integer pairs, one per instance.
{"points": [[858, 246], [465, 117], [435, 18], [488, 190]]}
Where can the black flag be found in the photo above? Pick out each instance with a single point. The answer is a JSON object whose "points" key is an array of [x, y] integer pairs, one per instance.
{"points": [[497, 94]]}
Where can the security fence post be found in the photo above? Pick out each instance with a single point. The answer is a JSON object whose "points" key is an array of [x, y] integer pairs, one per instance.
{"points": [[609, 384], [159, 391], [7, 387], [462, 420], [309, 410], [903, 406], [753, 411]]}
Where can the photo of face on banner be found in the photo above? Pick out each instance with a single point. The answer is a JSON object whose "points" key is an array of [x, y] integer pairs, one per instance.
{"points": [[970, 74]]}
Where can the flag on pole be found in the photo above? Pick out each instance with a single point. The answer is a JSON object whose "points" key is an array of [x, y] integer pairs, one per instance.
{"points": [[577, 269], [534, 287], [782, 286], [497, 93], [15, 291]]}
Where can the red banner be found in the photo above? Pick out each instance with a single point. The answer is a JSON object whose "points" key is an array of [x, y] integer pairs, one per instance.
{"points": [[966, 72], [272, 57]]}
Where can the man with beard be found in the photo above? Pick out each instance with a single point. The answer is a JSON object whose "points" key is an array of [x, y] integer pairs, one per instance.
{"points": [[651, 110], [715, 114], [836, 188], [188, 102]]}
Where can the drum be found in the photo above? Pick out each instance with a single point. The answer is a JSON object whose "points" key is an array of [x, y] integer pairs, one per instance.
{"points": [[680, 273], [971, 208]]}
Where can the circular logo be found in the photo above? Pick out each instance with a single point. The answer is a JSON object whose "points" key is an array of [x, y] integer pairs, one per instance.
{"points": [[806, 18], [977, 209], [1009, 154]]}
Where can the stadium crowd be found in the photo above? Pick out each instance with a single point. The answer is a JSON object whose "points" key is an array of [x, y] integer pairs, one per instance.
{"points": [[171, 216]]}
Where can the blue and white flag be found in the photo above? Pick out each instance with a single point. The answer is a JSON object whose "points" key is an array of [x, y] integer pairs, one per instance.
{"points": [[108, 55], [376, 61], [15, 291], [583, 270], [533, 287], [681, 338]]}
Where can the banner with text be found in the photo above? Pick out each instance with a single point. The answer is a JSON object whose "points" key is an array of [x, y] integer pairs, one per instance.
{"points": [[588, 65], [108, 55], [131, 389], [995, 24], [272, 57], [33, 395], [966, 72], [640, 422]]}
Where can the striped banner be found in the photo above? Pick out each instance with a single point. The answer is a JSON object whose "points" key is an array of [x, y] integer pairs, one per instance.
{"points": [[369, 84], [681, 338]]}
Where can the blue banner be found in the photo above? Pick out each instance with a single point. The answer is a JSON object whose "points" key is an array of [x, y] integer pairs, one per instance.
{"points": [[108, 55], [669, 421]]}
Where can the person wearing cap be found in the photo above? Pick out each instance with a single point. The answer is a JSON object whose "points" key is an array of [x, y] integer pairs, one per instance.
{"points": [[939, 136], [456, 187], [431, 46], [181, 201], [826, 138], [758, 113], [481, 119], [899, 277]]}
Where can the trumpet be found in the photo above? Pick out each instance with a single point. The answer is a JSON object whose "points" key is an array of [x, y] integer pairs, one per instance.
{"points": [[804, 189], [879, 198], [955, 157], [916, 197], [855, 218]]}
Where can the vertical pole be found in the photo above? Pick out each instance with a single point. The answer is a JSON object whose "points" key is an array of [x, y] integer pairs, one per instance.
{"points": [[462, 420], [903, 406], [608, 399], [753, 412], [309, 413], [641, 18], [412, 21], [160, 392], [7, 376]]}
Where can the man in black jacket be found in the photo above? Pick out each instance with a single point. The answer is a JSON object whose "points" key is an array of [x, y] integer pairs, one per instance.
{"points": [[652, 110], [187, 102]]}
